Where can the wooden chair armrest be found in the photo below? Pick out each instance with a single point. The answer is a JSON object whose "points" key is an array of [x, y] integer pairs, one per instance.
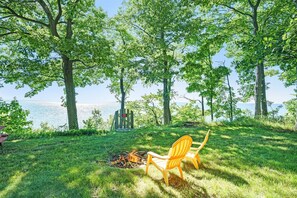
{"points": [[158, 156], [197, 143]]}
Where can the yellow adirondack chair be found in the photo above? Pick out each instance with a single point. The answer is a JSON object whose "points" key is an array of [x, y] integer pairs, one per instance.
{"points": [[176, 154], [193, 154]]}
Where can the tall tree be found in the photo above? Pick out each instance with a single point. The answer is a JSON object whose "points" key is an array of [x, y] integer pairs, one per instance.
{"points": [[248, 21], [206, 40], [124, 73], [284, 50], [52, 41], [204, 78], [161, 26]]}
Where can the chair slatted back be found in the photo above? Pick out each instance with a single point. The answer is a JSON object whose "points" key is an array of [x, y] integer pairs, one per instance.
{"points": [[178, 151]]}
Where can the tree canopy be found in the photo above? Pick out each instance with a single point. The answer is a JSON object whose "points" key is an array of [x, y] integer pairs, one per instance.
{"points": [[74, 44], [53, 41]]}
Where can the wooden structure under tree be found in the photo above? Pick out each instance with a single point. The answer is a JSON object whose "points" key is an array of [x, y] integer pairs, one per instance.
{"points": [[123, 120], [3, 137]]}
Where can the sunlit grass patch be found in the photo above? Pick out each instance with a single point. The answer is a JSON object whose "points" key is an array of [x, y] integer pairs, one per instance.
{"points": [[237, 161]]}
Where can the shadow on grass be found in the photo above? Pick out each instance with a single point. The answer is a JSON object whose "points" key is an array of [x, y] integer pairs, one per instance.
{"points": [[186, 189], [69, 166], [180, 188], [236, 180], [253, 147]]}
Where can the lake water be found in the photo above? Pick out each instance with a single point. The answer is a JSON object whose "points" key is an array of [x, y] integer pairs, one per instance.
{"points": [[56, 115]]}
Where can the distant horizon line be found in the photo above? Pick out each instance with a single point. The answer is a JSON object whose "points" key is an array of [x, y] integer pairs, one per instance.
{"points": [[105, 102]]}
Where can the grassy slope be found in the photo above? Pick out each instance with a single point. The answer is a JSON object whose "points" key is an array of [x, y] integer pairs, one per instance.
{"points": [[237, 162]]}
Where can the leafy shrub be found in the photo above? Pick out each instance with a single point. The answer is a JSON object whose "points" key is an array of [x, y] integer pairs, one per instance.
{"points": [[14, 118], [46, 134], [45, 127], [291, 107], [95, 122], [187, 112], [147, 111]]}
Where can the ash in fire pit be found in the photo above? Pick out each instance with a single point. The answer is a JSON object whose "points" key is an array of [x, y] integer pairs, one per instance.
{"points": [[129, 160]]}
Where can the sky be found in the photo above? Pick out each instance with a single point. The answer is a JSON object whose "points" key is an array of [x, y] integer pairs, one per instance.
{"points": [[100, 94]]}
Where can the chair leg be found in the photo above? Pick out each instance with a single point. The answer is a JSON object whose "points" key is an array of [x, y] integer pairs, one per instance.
{"points": [[148, 161], [165, 175], [194, 161], [180, 172], [198, 159]]}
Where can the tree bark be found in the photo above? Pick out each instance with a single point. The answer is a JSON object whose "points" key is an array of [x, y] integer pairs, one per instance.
{"points": [[263, 92], [155, 117], [166, 101], [211, 106], [230, 99], [69, 83], [70, 93], [257, 93], [260, 88], [123, 97], [202, 106], [166, 86]]}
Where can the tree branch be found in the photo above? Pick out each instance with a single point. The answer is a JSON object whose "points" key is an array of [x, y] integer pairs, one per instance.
{"points": [[22, 17], [59, 13], [46, 10], [5, 17], [238, 11], [140, 28], [192, 100], [87, 66], [256, 5], [52, 23], [8, 33], [251, 3]]}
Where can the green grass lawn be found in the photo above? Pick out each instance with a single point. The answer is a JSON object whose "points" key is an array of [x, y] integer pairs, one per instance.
{"points": [[236, 162]]}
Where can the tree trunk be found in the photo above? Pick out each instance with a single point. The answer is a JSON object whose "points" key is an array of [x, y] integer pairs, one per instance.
{"points": [[263, 91], [155, 117], [259, 78], [257, 93], [70, 93], [211, 107], [166, 102], [230, 99], [166, 85], [202, 106], [123, 98]]}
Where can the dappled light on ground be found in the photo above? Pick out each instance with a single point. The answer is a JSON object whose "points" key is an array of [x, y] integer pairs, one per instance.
{"points": [[13, 183], [236, 161]]}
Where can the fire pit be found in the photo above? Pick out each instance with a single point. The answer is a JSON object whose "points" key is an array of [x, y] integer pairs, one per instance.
{"points": [[131, 159]]}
